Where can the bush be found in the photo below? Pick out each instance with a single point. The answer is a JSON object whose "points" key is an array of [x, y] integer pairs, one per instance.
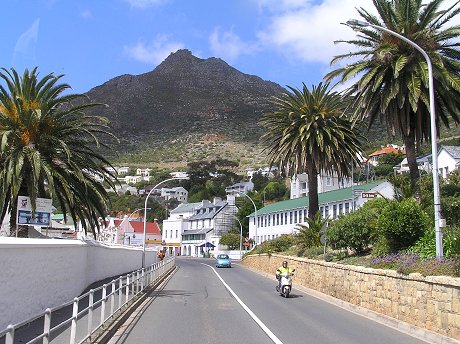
{"points": [[280, 244], [400, 225], [309, 235], [312, 252], [426, 245]]}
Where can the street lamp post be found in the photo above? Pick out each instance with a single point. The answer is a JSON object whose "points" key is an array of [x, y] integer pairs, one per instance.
{"points": [[434, 149], [255, 214], [145, 215]]}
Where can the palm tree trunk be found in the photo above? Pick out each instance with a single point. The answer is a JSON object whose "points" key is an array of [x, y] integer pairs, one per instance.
{"points": [[313, 202], [411, 155]]}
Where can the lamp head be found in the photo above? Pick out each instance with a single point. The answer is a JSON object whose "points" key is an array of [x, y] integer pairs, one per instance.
{"points": [[354, 24]]}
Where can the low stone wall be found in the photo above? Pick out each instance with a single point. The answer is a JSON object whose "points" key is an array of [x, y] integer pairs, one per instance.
{"points": [[430, 302], [42, 273]]}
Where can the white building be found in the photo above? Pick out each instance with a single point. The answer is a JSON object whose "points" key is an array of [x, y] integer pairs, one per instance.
{"points": [[178, 193], [144, 172], [179, 175], [448, 160], [283, 217], [238, 188], [299, 184]]}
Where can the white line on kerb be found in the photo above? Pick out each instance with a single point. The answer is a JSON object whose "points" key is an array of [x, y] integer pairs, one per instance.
{"points": [[246, 308]]}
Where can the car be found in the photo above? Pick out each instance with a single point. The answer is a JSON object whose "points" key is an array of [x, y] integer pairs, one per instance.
{"points": [[223, 261]]}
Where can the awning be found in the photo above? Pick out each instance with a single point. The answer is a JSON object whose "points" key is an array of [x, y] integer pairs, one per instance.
{"points": [[207, 244]]}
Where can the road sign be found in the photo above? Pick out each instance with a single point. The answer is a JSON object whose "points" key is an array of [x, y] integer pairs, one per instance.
{"points": [[368, 195]]}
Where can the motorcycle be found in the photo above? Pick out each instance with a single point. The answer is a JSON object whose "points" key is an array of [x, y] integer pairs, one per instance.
{"points": [[284, 288]]}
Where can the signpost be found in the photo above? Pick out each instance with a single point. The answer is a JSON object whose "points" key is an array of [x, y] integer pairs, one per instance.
{"points": [[368, 195]]}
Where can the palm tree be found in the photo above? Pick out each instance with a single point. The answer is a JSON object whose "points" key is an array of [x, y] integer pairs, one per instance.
{"points": [[48, 148], [308, 132], [392, 78]]}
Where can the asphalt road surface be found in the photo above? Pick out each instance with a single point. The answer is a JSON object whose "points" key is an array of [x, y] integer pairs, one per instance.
{"points": [[204, 304]]}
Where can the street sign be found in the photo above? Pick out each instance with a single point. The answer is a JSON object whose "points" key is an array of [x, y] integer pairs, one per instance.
{"points": [[368, 195]]}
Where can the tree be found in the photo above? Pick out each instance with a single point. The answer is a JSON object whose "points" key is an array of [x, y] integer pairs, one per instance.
{"points": [[309, 132], [231, 239], [309, 235], [392, 80], [48, 148]]}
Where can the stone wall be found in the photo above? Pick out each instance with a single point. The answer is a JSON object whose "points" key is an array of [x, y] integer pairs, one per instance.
{"points": [[430, 302]]}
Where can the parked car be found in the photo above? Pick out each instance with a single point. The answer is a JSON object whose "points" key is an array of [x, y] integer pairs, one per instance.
{"points": [[223, 261]]}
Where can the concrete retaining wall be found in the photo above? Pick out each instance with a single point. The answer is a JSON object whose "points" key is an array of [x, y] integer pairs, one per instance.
{"points": [[431, 302], [45, 273]]}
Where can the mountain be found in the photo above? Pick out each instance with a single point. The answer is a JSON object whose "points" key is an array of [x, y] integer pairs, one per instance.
{"points": [[187, 109]]}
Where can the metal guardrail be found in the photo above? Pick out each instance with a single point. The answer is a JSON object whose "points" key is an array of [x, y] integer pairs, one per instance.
{"points": [[91, 311]]}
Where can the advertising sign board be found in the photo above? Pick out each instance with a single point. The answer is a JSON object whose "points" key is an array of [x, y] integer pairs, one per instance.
{"points": [[41, 216]]}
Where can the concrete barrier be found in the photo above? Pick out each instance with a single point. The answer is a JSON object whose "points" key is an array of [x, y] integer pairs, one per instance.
{"points": [[45, 273]]}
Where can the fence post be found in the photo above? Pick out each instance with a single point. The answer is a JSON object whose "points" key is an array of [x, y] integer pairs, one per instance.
{"points": [[127, 288], [90, 311], [120, 291], [112, 299], [73, 328], [46, 326], [137, 282], [9, 338], [104, 297]]}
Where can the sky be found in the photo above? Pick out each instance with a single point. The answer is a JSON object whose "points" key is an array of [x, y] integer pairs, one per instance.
{"points": [[289, 42]]}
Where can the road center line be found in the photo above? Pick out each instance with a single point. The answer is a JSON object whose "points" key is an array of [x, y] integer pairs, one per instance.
{"points": [[246, 308]]}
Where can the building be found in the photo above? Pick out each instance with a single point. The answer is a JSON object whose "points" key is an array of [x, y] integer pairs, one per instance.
{"points": [[144, 172], [130, 232], [299, 184], [448, 160], [178, 193], [238, 188], [284, 217], [375, 156], [424, 164], [195, 229]]}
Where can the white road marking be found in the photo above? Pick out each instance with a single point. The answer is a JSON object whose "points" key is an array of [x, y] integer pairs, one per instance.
{"points": [[246, 308]]}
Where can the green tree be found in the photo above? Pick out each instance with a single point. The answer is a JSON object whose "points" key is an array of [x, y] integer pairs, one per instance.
{"points": [[48, 148], [275, 191], [399, 225], [392, 81], [231, 239], [308, 132], [260, 181], [309, 235]]}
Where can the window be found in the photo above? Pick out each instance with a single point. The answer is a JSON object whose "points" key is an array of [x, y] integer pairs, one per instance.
{"points": [[290, 217], [285, 218], [295, 216], [277, 219], [328, 181], [340, 208], [347, 208], [177, 233], [334, 211], [282, 217]]}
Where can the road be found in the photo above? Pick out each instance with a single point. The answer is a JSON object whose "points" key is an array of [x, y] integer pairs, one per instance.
{"points": [[196, 307]]}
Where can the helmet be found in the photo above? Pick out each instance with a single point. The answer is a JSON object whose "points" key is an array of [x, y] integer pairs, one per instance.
{"points": [[284, 263]]}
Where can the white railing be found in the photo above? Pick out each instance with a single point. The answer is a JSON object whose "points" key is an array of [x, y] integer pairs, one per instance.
{"points": [[90, 311]]}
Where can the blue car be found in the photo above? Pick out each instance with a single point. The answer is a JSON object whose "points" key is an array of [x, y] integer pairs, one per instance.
{"points": [[223, 261]]}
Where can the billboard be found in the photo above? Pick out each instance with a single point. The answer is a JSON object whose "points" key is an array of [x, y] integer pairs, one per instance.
{"points": [[41, 216]]}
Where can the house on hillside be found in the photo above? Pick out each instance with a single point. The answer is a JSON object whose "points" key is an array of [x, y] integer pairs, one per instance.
{"points": [[299, 184], [375, 156], [236, 189], [448, 160], [424, 164], [284, 217], [178, 193]]}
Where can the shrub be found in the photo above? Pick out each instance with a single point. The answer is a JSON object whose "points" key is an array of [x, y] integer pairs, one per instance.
{"points": [[426, 245], [280, 244], [309, 235], [400, 225], [356, 231], [312, 252]]}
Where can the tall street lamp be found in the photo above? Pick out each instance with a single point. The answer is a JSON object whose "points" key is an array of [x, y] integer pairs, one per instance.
{"points": [[434, 148], [255, 213], [145, 214]]}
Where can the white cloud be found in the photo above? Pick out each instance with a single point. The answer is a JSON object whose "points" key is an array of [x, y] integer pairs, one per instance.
{"points": [[145, 3], [306, 31], [229, 46], [26, 42], [153, 52], [86, 14]]}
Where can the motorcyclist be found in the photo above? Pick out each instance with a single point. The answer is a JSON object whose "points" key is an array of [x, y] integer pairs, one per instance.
{"points": [[281, 270]]}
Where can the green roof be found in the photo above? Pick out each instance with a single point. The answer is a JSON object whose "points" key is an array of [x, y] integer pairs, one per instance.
{"points": [[323, 198]]}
